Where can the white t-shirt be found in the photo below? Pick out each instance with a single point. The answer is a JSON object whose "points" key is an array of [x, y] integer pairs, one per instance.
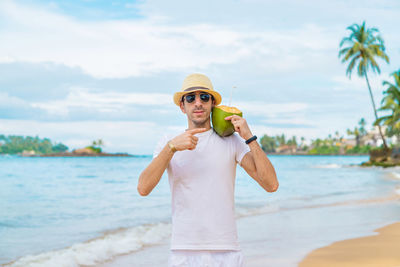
{"points": [[202, 183]]}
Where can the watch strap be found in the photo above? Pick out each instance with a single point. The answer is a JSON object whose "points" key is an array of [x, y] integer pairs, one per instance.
{"points": [[251, 139]]}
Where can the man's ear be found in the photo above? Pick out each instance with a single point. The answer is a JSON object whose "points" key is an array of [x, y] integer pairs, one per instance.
{"points": [[182, 106]]}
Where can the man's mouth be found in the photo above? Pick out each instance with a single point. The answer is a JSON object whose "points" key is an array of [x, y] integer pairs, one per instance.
{"points": [[198, 112]]}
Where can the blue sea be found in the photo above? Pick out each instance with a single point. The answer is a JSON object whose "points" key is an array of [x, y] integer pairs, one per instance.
{"points": [[86, 211]]}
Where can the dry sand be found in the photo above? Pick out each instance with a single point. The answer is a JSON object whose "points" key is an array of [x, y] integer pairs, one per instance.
{"points": [[381, 250]]}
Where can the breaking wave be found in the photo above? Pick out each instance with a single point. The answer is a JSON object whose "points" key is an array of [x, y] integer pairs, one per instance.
{"points": [[100, 249]]}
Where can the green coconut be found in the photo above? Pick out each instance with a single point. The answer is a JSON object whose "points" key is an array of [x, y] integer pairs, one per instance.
{"points": [[221, 126]]}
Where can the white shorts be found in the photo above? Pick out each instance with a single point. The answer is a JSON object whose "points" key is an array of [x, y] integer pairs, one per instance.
{"points": [[205, 258]]}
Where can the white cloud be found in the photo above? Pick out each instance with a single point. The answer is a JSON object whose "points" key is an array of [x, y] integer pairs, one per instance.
{"points": [[112, 48], [116, 102], [289, 113], [141, 47], [103, 101], [343, 83], [271, 109], [9, 101]]}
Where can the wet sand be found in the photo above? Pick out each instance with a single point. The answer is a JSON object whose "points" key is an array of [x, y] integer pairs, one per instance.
{"points": [[378, 250]]}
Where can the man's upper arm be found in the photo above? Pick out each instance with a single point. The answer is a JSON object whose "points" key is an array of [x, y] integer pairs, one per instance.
{"points": [[160, 145], [247, 163]]}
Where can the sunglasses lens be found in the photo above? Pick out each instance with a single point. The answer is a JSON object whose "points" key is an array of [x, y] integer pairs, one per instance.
{"points": [[204, 97], [190, 98]]}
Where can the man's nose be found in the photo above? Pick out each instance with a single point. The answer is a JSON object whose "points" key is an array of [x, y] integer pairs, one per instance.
{"points": [[197, 101]]}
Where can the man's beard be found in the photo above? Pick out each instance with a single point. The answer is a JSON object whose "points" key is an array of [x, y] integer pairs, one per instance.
{"points": [[200, 122]]}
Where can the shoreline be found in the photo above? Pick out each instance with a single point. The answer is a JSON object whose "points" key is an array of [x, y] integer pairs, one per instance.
{"points": [[381, 249], [84, 155], [71, 155], [301, 154]]}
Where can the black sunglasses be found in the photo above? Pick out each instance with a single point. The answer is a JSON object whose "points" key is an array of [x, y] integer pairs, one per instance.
{"points": [[204, 97]]}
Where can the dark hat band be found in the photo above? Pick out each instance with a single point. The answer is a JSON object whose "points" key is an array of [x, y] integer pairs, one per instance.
{"points": [[196, 88]]}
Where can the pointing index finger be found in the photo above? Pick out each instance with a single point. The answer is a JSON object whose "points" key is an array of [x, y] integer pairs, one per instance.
{"points": [[197, 130]]}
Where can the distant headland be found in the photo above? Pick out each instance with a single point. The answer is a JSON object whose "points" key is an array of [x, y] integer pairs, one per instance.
{"points": [[37, 147], [81, 152]]}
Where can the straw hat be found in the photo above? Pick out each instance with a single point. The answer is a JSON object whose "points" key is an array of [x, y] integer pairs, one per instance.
{"points": [[197, 82]]}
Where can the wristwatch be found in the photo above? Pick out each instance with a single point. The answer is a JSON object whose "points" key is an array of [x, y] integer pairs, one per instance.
{"points": [[172, 147], [251, 139]]}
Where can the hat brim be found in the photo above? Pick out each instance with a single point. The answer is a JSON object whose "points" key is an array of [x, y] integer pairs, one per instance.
{"points": [[216, 95]]}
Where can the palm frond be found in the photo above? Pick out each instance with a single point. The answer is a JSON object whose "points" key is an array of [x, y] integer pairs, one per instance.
{"points": [[396, 76], [345, 40], [353, 51], [380, 120], [343, 51], [394, 93], [351, 65], [374, 66]]}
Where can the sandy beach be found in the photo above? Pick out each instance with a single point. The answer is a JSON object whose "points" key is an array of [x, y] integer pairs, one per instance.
{"points": [[382, 249]]}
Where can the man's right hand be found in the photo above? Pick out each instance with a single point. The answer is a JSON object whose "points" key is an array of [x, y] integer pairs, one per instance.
{"points": [[187, 140]]}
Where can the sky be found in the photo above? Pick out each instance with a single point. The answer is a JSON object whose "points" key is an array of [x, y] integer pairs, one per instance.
{"points": [[81, 70]]}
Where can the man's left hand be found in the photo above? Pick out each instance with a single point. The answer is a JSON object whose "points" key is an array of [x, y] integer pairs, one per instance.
{"points": [[241, 126]]}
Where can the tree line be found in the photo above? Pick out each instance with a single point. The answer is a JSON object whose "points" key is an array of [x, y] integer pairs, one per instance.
{"points": [[271, 143], [332, 144], [14, 144]]}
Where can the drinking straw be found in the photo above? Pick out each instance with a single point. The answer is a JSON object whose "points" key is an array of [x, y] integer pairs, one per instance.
{"points": [[230, 98]]}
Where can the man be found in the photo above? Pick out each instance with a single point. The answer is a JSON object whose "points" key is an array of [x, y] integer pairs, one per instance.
{"points": [[201, 171]]}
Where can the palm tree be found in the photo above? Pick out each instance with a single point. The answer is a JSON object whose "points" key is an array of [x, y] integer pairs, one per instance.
{"points": [[292, 142], [317, 143], [100, 142], [302, 142], [330, 140], [281, 139], [362, 124], [391, 103], [365, 44], [356, 134], [337, 136]]}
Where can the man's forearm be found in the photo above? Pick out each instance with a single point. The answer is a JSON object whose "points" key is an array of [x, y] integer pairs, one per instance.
{"points": [[265, 170], [150, 177]]}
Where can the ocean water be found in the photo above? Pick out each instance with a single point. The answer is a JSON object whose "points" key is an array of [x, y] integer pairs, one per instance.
{"points": [[85, 211]]}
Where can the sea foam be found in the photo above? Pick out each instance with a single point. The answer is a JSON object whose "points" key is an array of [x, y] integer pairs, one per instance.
{"points": [[251, 211], [397, 190], [395, 175], [328, 166], [100, 249]]}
